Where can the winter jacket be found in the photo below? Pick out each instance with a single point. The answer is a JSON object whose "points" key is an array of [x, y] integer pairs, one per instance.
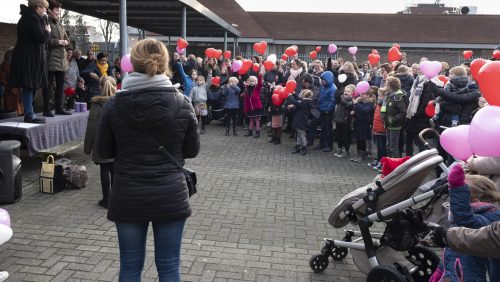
{"points": [[395, 110], [482, 242], [29, 61], [147, 185], [93, 84], [187, 83], [301, 112], [230, 96], [327, 93], [378, 122], [464, 94], [363, 120], [420, 121], [71, 75], [351, 79], [406, 82], [486, 166], [90, 134], [251, 101], [343, 110], [199, 94], [466, 215], [56, 54]]}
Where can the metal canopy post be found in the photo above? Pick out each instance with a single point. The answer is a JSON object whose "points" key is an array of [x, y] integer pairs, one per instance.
{"points": [[183, 24], [225, 40], [123, 29], [234, 46]]}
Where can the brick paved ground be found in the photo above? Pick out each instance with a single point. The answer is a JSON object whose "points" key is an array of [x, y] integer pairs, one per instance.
{"points": [[259, 215]]}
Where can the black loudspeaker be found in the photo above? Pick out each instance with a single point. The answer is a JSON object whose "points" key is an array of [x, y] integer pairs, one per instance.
{"points": [[11, 187]]}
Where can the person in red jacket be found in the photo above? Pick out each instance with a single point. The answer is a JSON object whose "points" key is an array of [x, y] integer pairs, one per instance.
{"points": [[378, 131], [252, 103]]}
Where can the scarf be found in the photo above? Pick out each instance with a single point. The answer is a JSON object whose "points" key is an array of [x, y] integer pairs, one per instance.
{"points": [[103, 68], [295, 73], [416, 92], [137, 80]]}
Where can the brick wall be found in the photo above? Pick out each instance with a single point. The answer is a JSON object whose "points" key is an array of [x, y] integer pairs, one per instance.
{"points": [[8, 37]]}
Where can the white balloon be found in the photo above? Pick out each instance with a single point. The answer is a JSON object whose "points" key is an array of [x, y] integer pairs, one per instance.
{"points": [[342, 78], [5, 233], [272, 58]]}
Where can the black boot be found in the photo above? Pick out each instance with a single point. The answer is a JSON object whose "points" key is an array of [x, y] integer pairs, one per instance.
{"points": [[227, 131], [277, 141], [303, 150], [296, 149], [272, 140], [257, 134], [234, 131], [249, 133], [62, 111]]}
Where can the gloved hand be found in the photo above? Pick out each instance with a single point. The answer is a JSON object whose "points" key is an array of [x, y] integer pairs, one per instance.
{"points": [[435, 237], [456, 177]]}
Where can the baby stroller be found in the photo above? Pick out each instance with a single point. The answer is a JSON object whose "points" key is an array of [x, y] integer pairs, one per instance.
{"points": [[394, 255]]}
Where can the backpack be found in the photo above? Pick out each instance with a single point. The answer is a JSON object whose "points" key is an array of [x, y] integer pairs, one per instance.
{"points": [[75, 176]]}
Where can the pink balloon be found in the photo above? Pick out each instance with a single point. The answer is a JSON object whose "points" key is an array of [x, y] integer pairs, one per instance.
{"points": [[237, 65], [180, 50], [484, 133], [126, 64], [455, 140], [353, 50], [362, 87], [332, 48], [4, 217], [430, 68]]}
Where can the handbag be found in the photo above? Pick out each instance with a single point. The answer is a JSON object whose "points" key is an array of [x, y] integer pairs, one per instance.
{"points": [[51, 176], [75, 176], [190, 175]]}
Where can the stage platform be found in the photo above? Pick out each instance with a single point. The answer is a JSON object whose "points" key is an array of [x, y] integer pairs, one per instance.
{"points": [[38, 137]]}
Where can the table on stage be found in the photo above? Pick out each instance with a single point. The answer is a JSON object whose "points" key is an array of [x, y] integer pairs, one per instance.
{"points": [[56, 131]]}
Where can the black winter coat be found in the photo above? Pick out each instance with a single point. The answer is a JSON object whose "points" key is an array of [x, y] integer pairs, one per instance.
{"points": [[420, 121], [468, 102], [406, 82], [301, 112], [351, 79], [147, 185], [29, 59], [363, 120]]}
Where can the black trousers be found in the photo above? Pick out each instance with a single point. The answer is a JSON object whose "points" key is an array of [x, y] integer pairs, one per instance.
{"points": [[312, 126], [361, 145], [106, 170], [344, 135], [58, 77], [231, 114], [326, 120]]}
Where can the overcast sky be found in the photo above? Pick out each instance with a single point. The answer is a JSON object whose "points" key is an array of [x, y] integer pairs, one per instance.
{"points": [[10, 8]]}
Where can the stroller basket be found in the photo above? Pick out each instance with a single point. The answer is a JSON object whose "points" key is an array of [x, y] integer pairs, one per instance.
{"points": [[399, 185]]}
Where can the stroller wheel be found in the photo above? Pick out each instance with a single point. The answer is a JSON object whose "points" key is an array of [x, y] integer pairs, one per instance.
{"points": [[339, 253], [426, 260], [385, 274], [318, 263]]}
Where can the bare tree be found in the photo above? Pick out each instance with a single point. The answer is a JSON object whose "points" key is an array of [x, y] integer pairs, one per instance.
{"points": [[107, 29]]}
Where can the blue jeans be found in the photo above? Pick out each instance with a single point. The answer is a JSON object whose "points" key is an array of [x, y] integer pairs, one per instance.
{"points": [[393, 143], [28, 103], [380, 142], [132, 240]]}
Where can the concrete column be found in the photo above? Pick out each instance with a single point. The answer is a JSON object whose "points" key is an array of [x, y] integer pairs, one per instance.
{"points": [[123, 30], [225, 40]]}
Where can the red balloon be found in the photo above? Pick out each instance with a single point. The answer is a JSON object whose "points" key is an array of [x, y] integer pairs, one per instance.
{"points": [[476, 65], [318, 48], [268, 65], [260, 47], [290, 86], [284, 57], [216, 80], [396, 45], [488, 78], [182, 43], [277, 100], [256, 67], [210, 52], [468, 54], [430, 109], [394, 54], [70, 91], [247, 64], [443, 78], [373, 58], [496, 54], [217, 54], [313, 55], [291, 51], [227, 54]]}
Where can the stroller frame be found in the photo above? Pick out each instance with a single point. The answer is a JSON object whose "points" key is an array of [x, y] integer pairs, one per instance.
{"points": [[338, 249]]}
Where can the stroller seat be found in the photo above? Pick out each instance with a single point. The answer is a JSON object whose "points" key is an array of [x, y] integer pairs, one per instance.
{"points": [[399, 185]]}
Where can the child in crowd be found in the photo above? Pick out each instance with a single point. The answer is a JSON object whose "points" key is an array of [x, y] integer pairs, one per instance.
{"points": [[342, 118], [363, 120], [276, 123], [80, 90], [231, 99], [253, 104], [378, 131], [458, 84], [107, 85], [473, 204], [394, 111], [302, 108], [199, 98]]}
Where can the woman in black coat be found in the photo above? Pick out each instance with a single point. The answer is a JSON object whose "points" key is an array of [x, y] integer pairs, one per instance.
{"points": [[29, 59], [148, 186]]}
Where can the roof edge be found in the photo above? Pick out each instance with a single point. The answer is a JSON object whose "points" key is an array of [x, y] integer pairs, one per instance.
{"points": [[197, 6]]}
